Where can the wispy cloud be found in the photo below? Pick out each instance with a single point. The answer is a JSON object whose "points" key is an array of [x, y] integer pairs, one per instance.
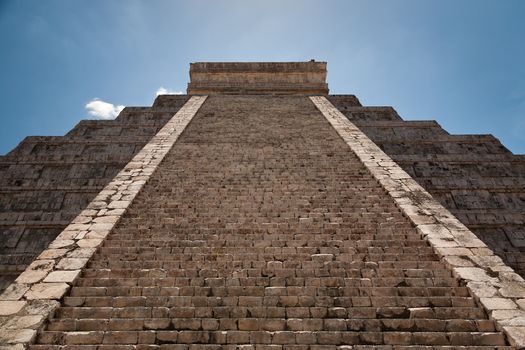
{"points": [[103, 110], [163, 91]]}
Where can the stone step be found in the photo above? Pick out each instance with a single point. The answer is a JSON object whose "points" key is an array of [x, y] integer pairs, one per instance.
{"points": [[233, 241], [190, 297], [131, 261], [357, 293], [310, 255], [231, 236], [272, 324], [212, 279], [275, 338], [263, 347], [295, 250], [270, 310], [275, 268], [276, 281], [181, 241]]}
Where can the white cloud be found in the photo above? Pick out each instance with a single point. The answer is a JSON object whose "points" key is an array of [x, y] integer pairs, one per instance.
{"points": [[163, 91], [103, 110]]}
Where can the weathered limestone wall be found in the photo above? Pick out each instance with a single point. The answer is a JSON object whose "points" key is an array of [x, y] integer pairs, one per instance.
{"points": [[46, 181], [473, 176], [258, 78]]}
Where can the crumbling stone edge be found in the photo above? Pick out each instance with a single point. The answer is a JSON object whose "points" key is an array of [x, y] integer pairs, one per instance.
{"points": [[34, 296], [495, 285]]}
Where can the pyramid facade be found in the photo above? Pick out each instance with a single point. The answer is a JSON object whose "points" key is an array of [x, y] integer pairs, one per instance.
{"points": [[47, 180], [259, 212]]}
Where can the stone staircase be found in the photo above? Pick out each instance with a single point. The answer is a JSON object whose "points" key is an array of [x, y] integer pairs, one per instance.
{"points": [[262, 230], [47, 180], [474, 176]]}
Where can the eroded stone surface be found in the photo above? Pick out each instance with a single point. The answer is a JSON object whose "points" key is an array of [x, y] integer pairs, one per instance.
{"points": [[516, 335], [36, 271], [62, 276], [47, 291], [24, 322], [208, 78], [72, 263], [15, 291], [41, 307], [498, 304], [11, 307], [475, 274], [14, 336]]}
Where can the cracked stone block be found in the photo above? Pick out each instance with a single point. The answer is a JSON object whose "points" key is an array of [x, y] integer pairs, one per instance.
{"points": [[24, 322], [482, 289], [516, 336], [36, 271], [72, 263], [11, 336], [89, 242], [474, 274], [41, 307], [52, 253], [11, 307], [47, 291], [512, 290], [498, 304], [15, 291], [322, 257]]}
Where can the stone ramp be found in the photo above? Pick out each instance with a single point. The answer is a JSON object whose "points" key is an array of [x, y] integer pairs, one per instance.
{"points": [[261, 229]]}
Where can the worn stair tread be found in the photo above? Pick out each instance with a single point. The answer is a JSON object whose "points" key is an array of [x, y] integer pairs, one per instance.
{"points": [[274, 337]]}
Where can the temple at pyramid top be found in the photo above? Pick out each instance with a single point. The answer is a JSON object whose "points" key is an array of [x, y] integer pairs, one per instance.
{"points": [[208, 78]]}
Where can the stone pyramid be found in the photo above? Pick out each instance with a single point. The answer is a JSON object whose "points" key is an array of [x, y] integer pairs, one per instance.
{"points": [[258, 212]]}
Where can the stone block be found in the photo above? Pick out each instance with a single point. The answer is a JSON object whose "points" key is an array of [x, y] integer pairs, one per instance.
{"points": [[47, 291], [67, 276], [498, 304], [36, 271], [11, 307]]}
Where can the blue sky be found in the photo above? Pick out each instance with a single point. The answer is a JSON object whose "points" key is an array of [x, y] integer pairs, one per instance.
{"points": [[460, 62]]}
